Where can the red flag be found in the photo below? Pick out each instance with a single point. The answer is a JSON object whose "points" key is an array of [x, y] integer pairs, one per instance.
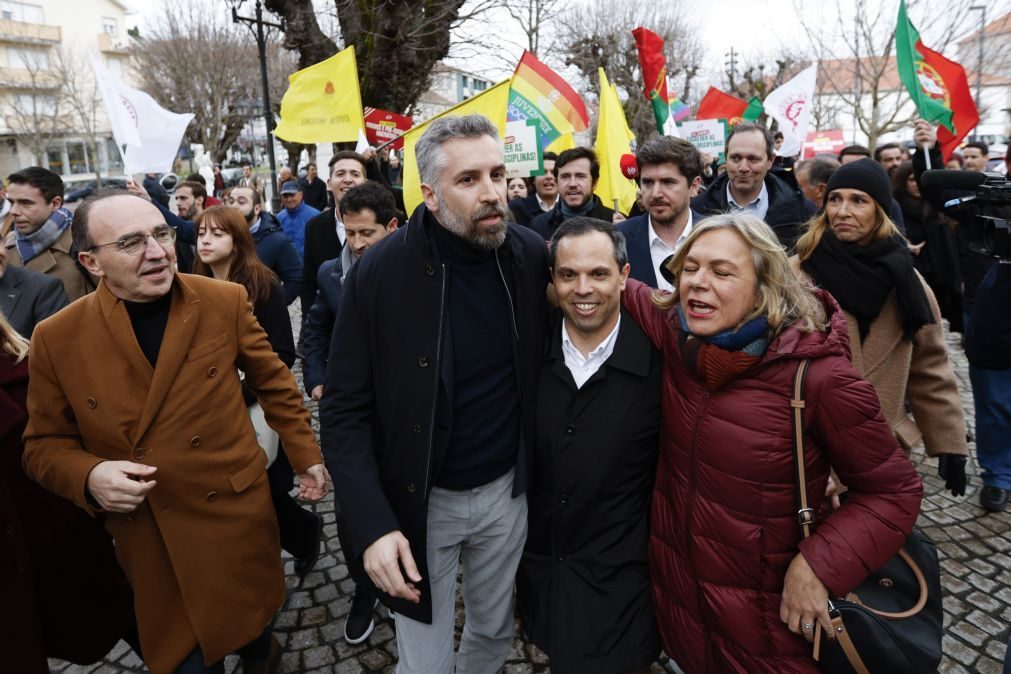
{"points": [[654, 64], [718, 105], [964, 116]]}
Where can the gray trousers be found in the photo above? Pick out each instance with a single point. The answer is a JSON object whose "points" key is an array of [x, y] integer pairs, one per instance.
{"points": [[486, 529]]}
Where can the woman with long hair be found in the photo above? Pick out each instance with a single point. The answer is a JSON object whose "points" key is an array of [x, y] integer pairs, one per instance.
{"points": [[736, 585], [225, 251], [854, 251], [62, 589]]}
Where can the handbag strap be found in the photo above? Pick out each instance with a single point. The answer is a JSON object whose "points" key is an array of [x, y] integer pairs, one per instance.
{"points": [[805, 514]]}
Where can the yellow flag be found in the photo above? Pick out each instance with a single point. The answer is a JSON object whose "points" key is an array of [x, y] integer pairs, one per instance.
{"points": [[564, 142], [614, 139], [323, 103], [491, 103]]}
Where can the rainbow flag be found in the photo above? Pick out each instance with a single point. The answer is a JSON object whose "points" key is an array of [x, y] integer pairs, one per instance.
{"points": [[538, 93], [679, 110]]}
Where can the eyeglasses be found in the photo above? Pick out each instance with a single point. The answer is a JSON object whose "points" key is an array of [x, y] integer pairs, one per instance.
{"points": [[164, 236]]}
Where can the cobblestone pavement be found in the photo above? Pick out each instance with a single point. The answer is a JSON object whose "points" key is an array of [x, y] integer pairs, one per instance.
{"points": [[975, 550]]}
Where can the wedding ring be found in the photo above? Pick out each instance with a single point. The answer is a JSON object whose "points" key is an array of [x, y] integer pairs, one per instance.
{"points": [[807, 627]]}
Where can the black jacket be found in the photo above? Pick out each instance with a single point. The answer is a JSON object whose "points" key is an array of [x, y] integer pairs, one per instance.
{"points": [[319, 324], [315, 193], [583, 583], [385, 407], [788, 210], [321, 244], [525, 209], [545, 224]]}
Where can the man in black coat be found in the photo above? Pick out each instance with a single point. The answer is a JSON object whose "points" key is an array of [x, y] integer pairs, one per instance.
{"points": [[27, 297], [543, 198], [748, 185], [314, 190], [427, 413], [670, 174], [585, 562], [576, 172]]}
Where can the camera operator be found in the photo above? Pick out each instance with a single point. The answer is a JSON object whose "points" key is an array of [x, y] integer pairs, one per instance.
{"points": [[987, 303]]}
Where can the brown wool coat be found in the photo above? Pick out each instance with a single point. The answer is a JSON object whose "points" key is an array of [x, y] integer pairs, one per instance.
{"points": [[55, 261], [917, 371], [202, 552]]}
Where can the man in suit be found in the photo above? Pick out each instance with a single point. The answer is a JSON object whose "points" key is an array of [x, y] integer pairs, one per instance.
{"points": [[156, 434], [27, 297], [253, 181], [670, 174]]}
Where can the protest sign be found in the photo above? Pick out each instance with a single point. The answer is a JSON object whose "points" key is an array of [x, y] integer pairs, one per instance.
{"points": [[523, 156], [829, 141], [382, 126], [707, 135]]}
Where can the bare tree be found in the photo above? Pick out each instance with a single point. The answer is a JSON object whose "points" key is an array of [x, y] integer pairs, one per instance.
{"points": [[599, 35], [854, 42], [81, 100], [192, 60], [34, 115], [536, 21], [397, 43]]}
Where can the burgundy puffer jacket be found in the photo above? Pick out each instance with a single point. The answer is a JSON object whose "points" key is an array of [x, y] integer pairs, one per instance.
{"points": [[724, 524]]}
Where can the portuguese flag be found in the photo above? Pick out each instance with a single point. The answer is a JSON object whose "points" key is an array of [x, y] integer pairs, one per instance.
{"points": [[938, 86], [538, 93], [654, 74], [717, 104]]}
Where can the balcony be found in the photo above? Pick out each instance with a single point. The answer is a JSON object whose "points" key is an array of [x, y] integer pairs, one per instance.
{"points": [[26, 80], [18, 32], [113, 45]]}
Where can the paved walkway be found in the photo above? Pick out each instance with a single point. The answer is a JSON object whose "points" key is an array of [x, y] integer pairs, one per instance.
{"points": [[975, 553]]}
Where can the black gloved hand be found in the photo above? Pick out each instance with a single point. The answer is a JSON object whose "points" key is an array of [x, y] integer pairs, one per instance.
{"points": [[951, 469]]}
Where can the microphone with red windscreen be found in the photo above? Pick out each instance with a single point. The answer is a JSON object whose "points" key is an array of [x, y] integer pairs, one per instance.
{"points": [[629, 167]]}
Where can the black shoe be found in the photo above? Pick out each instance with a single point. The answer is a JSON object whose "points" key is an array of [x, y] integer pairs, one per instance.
{"points": [[360, 621], [993, 499], [303, 565]]}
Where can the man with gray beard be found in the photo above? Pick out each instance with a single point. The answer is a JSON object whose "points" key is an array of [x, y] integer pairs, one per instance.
{"points": [[428, 410]]}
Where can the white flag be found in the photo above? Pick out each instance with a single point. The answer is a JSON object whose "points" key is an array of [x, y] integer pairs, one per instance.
{"points": [[670, 126], [149, 133], [790, 105], [363, 142]]}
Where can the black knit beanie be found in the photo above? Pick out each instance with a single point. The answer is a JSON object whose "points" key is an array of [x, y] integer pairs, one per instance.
{"points": [[865, 175]]}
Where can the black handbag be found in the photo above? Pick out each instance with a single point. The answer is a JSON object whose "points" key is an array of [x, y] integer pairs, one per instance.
{"points": [[892, 621]]}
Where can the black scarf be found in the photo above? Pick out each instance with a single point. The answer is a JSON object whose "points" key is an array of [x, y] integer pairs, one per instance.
{"points": [[862, 277]]}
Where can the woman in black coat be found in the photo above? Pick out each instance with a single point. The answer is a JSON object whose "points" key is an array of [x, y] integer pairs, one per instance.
{"points": [[63, 594], [226, 251]]}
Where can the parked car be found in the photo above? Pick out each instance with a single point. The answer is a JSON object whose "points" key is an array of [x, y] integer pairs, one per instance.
{"points": [[83, 190]]}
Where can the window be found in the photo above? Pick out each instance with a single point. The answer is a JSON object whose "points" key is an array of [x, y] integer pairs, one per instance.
{"points": [[20, 11], [54, 157], [35, 104], [115, 159], [78, 157], [110, 26], [27, 59]]}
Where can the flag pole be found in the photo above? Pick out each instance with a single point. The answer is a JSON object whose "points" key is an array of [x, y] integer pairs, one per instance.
{"points": [[926, 155]]}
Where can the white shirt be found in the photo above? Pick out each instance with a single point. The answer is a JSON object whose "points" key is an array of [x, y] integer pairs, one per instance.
{"points": [[544, 206], [759, 207], [584, 368], [660, 250], [341, 235]]}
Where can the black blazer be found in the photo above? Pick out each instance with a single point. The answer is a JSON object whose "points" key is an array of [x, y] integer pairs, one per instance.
{"points": [[386, 406], [321, 244], [636, 231], [28, 297], [545, 224], [525, 209], [319, 324]]}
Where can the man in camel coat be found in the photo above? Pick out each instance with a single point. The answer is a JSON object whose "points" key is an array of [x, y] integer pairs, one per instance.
{"points": [[135, 409]]}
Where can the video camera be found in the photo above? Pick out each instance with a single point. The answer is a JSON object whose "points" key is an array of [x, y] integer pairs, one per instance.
{"points": [[986, 198]]}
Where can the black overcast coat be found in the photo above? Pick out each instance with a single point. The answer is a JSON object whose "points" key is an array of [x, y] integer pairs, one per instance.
{"points": [[583, 583], [384, 416]]}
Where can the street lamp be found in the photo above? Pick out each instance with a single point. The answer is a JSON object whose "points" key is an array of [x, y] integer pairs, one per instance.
{"points": [[979, 66], [257, 25]]}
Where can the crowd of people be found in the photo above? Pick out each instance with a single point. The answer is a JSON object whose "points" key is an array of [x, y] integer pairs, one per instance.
{"points": [[584, 414]]}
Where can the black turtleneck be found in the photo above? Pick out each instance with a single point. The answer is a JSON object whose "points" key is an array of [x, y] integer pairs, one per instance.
{"points": [[484, 434], [149, 320]]}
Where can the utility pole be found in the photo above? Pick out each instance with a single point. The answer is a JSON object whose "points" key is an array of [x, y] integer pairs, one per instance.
{"points": [[732, 67], [979, 64]]}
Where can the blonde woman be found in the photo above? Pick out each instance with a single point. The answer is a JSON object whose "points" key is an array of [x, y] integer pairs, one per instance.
{"points": [[735, 588], [854, 251], [61, 580]]}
